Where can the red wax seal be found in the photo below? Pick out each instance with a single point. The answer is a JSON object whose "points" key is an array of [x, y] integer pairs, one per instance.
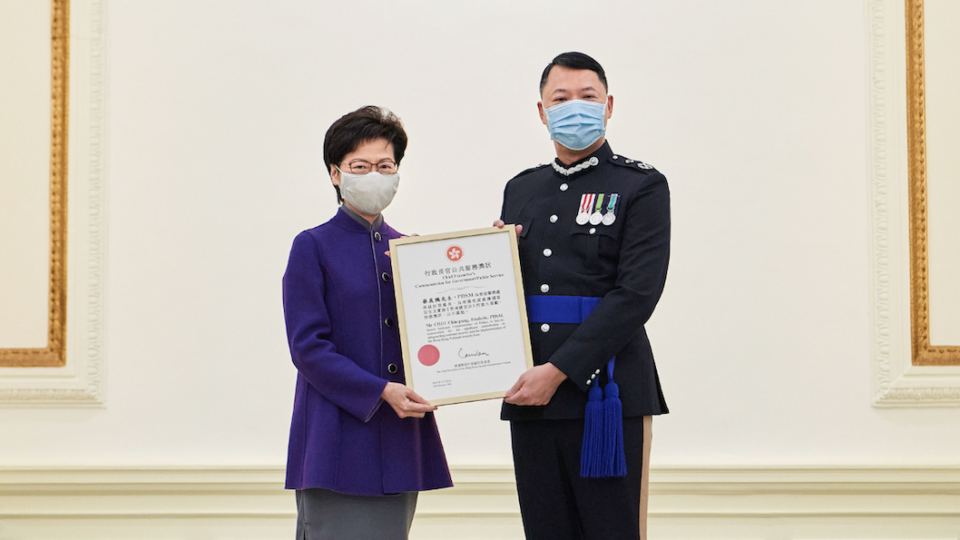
{"points": [[454, 253], [428, 355]]}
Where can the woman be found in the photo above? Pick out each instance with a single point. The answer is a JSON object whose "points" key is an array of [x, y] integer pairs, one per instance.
{"points": [[361, 443]]}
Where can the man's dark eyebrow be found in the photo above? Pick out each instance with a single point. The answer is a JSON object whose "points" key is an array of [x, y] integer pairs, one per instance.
{"points": [[584, 89]]}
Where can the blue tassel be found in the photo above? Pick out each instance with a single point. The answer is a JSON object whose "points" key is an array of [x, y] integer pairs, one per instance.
{"points": [[602, 455], [615, 462], [591, 454]]}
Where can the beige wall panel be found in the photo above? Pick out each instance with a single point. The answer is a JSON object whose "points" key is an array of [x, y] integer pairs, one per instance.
{"points": [[24, 172], [755, 110], [79, 254], [893, 84], [942, 63]]}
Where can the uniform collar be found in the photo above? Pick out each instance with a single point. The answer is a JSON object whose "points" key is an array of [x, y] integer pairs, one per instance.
{"points": [[602, 154], [350, 220]]}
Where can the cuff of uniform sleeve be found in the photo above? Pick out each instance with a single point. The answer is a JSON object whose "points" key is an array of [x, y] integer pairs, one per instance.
{"points": [[585, 379]]}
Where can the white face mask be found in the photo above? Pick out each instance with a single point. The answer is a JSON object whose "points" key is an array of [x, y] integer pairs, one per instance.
{"points": [[369, 193]]}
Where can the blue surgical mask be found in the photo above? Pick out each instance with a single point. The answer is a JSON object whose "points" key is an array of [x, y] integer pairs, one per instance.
{"points": [[576, 124]]}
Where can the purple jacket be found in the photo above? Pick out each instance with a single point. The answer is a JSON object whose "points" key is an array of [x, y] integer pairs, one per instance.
{"points": [[341, 316]]}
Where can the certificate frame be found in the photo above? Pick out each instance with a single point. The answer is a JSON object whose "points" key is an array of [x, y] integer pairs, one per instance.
{"points": [[411, 323]]}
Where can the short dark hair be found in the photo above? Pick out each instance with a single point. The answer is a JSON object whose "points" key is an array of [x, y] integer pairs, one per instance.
{"points": [[574, 60], [364, 124]]}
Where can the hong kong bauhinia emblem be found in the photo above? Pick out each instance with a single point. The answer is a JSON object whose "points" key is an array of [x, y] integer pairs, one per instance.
{"points": [[454, 253]]}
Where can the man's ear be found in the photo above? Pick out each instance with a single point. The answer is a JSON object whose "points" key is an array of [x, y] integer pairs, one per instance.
{"points": [[543, 114], [609, 107]]}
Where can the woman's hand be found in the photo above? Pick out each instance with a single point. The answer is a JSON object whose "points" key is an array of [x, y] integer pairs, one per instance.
{"points": [[405, 402], [387, 253], [499, 224]]}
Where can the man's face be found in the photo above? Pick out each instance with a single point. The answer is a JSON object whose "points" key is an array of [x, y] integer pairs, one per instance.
{"points": [[564, 84]]}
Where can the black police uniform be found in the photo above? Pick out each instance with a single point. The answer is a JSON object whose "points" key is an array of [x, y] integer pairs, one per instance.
{"points": [[624, 263]]}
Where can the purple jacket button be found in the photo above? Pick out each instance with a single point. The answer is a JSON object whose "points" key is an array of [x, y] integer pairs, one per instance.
{"points": [[388, 322], [386, 277], [392, 368]]}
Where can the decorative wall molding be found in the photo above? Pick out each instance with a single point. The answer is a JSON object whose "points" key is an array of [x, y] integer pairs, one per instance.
{"points": [[896, 381], [80, 381], [686, 502], [923, 353], [54, 353]]}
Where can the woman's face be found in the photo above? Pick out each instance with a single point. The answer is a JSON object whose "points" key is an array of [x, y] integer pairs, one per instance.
{"points": [[373, 152]]}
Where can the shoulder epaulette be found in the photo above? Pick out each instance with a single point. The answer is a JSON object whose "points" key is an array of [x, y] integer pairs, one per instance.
{"points": [[631, 163], [531, 169]]}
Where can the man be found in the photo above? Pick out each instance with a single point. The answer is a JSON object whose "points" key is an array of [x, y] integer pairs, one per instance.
{"points": [[594, 236]]}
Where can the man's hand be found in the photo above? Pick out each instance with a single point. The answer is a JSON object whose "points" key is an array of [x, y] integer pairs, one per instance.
{"points": [[536, 386], [405, 402], [499, 224]]}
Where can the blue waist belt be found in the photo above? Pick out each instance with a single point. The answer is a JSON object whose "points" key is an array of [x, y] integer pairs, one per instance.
{"points": [[563, 310], [560, 309], [602, 455]]}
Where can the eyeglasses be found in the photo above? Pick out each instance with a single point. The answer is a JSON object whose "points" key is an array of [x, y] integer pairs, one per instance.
{"points": [[360, 166]]}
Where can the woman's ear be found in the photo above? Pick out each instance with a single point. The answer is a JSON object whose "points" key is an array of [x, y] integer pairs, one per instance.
{"points": [[335, 175]]}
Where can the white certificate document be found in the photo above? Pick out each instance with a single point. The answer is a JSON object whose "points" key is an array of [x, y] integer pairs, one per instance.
{"points": [[462, 314]]}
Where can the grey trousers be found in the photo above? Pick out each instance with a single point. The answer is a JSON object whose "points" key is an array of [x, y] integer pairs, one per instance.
{"points": [[327, 515]]}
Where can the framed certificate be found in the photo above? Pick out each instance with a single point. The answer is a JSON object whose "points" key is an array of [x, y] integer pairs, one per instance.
{"points": [[462, 314]]}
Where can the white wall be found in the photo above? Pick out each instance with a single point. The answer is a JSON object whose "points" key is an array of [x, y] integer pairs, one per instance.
{"points": [[755, 111]]}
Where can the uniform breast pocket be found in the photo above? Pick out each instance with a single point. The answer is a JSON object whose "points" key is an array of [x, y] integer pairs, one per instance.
{"points": [[596, 247]]}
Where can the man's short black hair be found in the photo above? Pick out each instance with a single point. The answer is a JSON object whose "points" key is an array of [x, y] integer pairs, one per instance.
{"points": [[574, 60], [364, 124]]}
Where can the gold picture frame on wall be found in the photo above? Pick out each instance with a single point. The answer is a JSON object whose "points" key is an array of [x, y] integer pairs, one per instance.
{"points": [[923, 353], [54, 354]]}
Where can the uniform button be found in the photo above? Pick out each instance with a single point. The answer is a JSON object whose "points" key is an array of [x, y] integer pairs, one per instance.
{"points": [[616, 157], [544, 288], [597, 372], [388, 322], [563, 187], [544, 328], [594, 376], [593, 230], [392, 368], [588, 382], [385, 276], [377, 236], [546, 253], [553, 218]]}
